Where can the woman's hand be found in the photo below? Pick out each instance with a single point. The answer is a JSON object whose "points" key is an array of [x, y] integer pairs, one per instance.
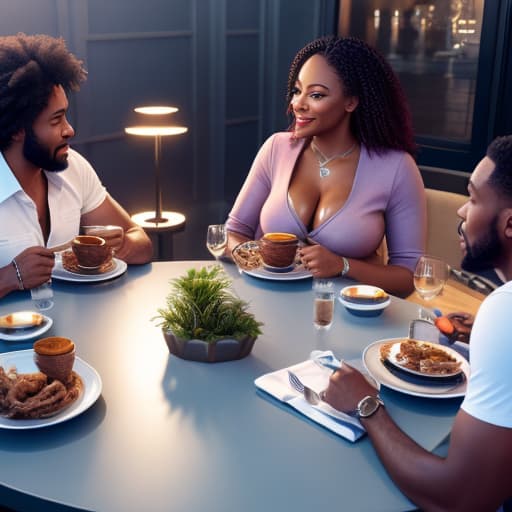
{"points": [[320, 261]]}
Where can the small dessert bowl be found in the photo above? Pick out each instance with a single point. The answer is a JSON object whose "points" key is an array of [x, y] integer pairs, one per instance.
{"points": [[55, 356], [364, 300], [278, 250], [91, 251]]}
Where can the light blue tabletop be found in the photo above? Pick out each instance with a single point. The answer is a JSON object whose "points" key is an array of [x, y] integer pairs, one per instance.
{"points": [[174, 435]]}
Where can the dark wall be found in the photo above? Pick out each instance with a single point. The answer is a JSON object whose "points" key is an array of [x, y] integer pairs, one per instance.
{"points": [[224, 63]]}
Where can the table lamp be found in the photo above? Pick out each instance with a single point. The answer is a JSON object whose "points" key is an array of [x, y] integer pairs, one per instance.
{"points": [[146, 219]]}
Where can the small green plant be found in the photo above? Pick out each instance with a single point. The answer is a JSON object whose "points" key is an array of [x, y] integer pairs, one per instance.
{"points": [[202, 306]]}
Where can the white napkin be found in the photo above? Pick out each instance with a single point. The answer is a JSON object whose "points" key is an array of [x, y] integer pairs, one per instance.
{"points": [[316, 377]]}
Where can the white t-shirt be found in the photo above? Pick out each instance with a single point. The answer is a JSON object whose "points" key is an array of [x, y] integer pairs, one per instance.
{"points": [[71, 193], [489, 394]]}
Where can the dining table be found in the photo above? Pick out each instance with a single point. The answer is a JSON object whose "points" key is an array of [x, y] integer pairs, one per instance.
{"points": [[168, 434]]}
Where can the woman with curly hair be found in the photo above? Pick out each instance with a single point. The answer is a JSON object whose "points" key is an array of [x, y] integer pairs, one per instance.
{"points": [[47, 190], [343, 177]]}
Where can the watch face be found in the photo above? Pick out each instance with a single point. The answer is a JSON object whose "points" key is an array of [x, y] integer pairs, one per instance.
{"points": [[367, 406]]}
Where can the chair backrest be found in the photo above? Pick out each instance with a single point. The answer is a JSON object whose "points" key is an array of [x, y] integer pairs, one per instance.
{"points": [[442, 236]]}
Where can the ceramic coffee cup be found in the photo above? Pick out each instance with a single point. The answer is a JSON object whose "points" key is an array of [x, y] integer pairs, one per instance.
{"points": [[278, 249], [55, 356], [113, 235], [91, 251]]}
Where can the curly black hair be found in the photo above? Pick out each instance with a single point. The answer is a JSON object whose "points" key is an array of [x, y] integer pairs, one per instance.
{"points": [[30, 66], [382, 119], [500, 152]]}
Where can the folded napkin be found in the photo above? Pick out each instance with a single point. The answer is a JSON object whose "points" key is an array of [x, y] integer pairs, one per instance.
{"points": [[316, 376]]}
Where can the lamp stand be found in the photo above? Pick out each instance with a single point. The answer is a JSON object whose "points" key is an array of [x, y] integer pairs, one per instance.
{"points": [[158, 218]]}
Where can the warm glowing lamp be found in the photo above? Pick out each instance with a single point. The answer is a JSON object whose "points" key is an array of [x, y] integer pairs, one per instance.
{"points": [[158, 222], [147, 219]]}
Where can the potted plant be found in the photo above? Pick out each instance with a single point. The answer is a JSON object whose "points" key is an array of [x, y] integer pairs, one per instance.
{"points": [[204, 320]]}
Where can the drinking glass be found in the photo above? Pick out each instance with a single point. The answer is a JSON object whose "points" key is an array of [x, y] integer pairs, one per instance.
{"points": [[42, 296], [216, 239], [430, 277], [323, 308]]}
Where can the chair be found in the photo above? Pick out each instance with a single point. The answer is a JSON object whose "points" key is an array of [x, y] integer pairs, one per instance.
{"points": [[442, 223]]}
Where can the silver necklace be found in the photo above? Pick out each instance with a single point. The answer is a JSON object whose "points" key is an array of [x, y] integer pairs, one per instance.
{"points": [[323, 160]]}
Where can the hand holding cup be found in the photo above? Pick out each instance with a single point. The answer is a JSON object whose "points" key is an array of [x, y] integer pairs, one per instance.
{"points": [[113, 235]]}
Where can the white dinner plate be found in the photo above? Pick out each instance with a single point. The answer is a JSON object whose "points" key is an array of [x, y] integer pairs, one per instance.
{"points": [[24, 362], [395, 350], [299, 272], [377, 369], [28, 332], [59, 272]]}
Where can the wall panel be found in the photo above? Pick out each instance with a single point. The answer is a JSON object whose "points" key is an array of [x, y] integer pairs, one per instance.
{"points": [[224, 63]]}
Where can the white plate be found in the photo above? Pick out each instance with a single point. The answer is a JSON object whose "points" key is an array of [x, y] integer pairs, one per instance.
{"points": [[59, 272], [24, 362], [377, 369], [27, 333], [298, 272], [395, 350]]}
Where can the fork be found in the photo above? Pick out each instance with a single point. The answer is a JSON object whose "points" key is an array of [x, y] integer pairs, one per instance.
{"points": [[311, 396]]}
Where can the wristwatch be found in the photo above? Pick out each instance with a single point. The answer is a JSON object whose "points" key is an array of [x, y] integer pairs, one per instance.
{"points": [[368, 406]]}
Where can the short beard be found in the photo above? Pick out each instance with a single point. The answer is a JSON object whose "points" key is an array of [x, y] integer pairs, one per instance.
{"points": [[40, 155], [484, 253]]}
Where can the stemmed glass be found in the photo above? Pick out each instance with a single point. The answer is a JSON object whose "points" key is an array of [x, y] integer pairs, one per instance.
{"points": [[430, 276], [216, 239]]}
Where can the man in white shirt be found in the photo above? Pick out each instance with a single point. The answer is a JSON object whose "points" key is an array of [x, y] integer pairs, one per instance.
{"points": [[475, 475], [47, 190]]}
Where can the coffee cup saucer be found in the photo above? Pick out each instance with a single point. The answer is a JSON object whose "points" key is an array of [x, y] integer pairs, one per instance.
{"points": [[281, 270], [83, 267]]}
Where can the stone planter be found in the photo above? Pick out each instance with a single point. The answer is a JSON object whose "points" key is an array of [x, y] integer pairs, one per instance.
{"points": [[198, 350]]}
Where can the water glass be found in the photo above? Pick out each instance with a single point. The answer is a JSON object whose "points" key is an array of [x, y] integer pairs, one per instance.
{"points": [[216, 239], [42, 296], [323, 306], [430, 276]]}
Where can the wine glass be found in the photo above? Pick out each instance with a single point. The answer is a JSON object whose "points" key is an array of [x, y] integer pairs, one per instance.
{"points": [[216, 239], [430, 276]]}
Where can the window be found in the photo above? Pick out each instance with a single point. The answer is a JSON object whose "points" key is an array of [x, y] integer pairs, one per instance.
{"points": [[448, 55]]}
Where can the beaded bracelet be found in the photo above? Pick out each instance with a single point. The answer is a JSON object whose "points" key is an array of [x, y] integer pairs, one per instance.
{"points": [[18, 275]]}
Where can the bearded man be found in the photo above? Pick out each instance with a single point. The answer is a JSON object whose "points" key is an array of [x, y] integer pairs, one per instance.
{"points": [[47, 190], [475, 475]]}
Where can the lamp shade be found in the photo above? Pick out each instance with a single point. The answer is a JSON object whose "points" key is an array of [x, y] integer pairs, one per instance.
{"points": [[152, 131], [155, 110]]}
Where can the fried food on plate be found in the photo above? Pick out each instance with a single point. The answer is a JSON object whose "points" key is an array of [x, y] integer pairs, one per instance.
{"points": [[34, 395]]}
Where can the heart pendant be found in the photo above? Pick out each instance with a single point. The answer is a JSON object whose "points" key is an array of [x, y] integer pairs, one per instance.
{"points": [[324, 172]]}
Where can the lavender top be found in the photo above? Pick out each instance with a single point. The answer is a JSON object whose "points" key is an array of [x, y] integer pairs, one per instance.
{"points": [[387, 198]]}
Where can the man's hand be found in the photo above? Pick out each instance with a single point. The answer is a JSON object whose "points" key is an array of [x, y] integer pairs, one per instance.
{"points": [[456, 326], [35, 265], [347, 386]]}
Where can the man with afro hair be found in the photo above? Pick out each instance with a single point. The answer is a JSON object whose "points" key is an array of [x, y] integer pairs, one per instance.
{"points": [[47, 190]]}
